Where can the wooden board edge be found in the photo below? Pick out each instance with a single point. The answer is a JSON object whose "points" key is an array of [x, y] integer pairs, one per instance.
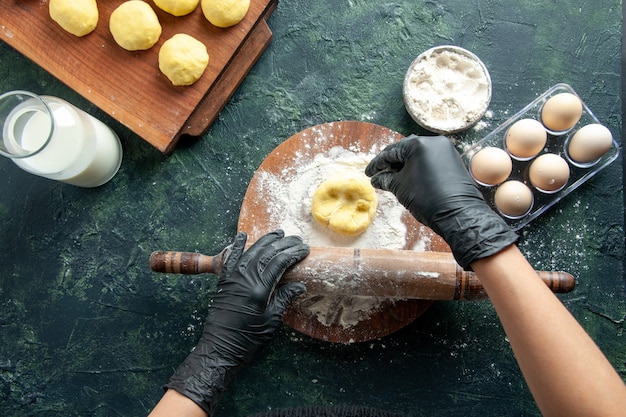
{"points": [[223, 89], [212, 104]]}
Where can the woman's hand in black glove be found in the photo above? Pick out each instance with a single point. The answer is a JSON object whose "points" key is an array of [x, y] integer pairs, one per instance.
{"points": [[428, 177], [243, 315]]}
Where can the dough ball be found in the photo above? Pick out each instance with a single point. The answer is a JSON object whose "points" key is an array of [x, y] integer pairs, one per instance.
{"points": [[225, 13], [135, 26], [183, 59], [177, 7], [78, 17], [345, 205]]}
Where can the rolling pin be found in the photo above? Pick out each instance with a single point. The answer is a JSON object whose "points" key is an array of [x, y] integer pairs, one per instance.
{"points": [[387, 273]]}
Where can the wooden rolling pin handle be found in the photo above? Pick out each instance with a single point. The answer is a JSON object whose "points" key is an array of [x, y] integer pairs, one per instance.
{"points": [[186, 262], [367, 272]]}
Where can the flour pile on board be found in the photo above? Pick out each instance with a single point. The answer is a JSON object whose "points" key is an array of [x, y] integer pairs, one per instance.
{"points": [[288, 200], [289, 203]]}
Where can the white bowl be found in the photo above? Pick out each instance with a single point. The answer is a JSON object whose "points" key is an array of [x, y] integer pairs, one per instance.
{"points": [[447, 89]]}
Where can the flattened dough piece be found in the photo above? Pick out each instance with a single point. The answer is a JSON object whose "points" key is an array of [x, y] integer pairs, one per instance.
{"points": [[135, 26], [183, 59], [78, 17], [345, 205], [225, 13]]}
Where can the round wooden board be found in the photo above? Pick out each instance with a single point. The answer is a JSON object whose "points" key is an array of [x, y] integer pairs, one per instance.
{"points": [[359, 137]]}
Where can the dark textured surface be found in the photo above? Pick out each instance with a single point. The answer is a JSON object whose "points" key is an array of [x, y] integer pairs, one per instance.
{"points": [[86, 329]]}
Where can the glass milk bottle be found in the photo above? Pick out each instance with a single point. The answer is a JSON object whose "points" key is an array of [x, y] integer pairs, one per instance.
{"points": [[49, 137]]}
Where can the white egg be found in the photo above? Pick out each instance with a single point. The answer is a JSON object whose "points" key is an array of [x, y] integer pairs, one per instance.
{"points": [[491, 166], [549, 173], [589, 143], [561, 112], [526, 138], [513, 199]]}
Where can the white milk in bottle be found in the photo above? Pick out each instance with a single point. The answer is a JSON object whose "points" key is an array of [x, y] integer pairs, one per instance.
{"points": [[80, 149]]}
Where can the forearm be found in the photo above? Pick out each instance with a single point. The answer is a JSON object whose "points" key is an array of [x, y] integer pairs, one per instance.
{"points": [[243, 315], [174, 404], [565, 370]]}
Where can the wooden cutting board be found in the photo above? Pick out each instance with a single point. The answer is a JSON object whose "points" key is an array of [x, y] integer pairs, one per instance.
{"points": [[282, 162], [128, 85]]}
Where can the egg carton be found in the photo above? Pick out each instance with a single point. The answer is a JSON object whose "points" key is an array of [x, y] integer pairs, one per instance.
{"points": [[555, 144]]}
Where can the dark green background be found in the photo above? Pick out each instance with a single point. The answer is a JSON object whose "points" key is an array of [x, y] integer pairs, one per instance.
{"points": [[86, 329]]}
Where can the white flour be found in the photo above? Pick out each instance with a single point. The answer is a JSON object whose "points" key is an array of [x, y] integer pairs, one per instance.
{"points": [[288, 199], [448, 90], [289, 203]]}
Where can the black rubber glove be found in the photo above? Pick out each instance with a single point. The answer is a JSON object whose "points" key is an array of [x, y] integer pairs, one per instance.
{"points": [[243, 316], [429, 178]]}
